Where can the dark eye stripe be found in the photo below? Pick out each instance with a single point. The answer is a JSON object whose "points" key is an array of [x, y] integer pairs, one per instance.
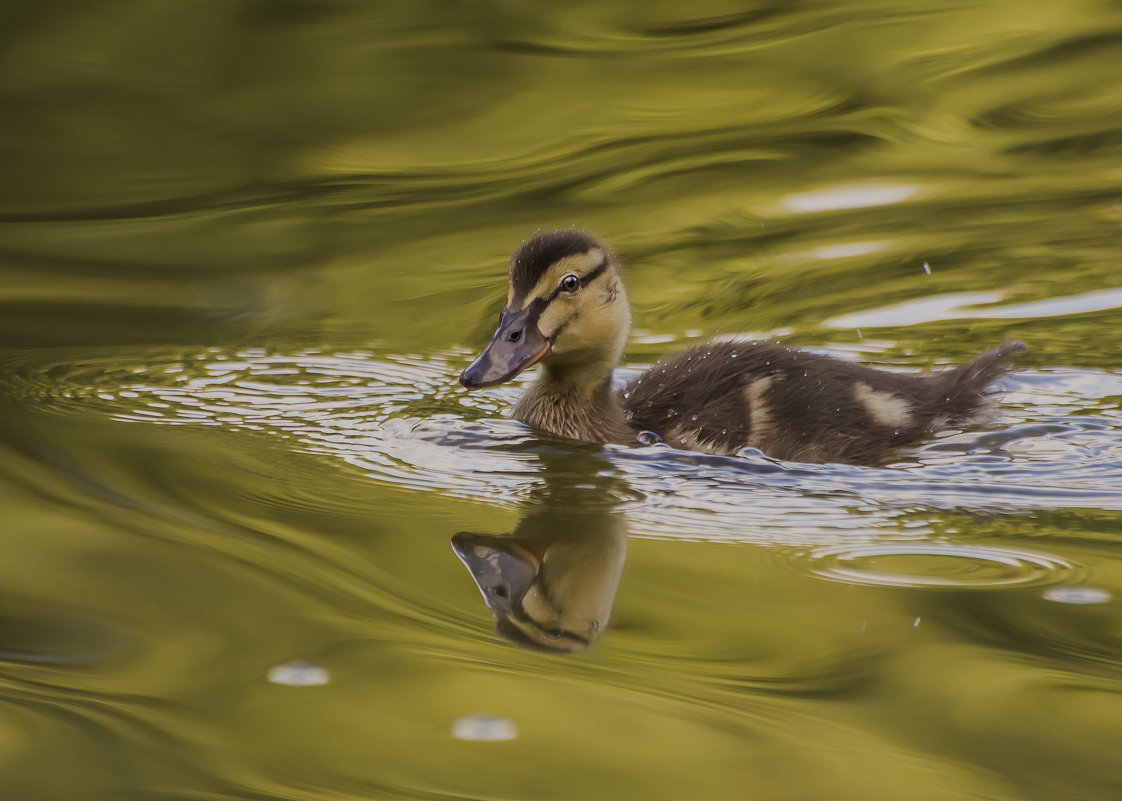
{"points": [[585, 281], [592, 276]]}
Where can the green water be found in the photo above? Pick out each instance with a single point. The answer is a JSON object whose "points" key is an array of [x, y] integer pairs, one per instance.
{"points": [[247, 247]]}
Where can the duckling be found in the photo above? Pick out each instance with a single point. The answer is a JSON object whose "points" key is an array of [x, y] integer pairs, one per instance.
{"points": [[567, 309]]}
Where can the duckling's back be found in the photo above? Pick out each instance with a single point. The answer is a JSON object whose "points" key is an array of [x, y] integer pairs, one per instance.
{"points": [[801, 406]]}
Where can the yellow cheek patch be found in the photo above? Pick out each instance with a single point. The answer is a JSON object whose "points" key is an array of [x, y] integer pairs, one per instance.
{"points": [[552, 319]]}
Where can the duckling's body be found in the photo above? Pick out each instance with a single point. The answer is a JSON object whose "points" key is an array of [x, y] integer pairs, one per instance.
{"points": [[801, 406], [567, 308]]}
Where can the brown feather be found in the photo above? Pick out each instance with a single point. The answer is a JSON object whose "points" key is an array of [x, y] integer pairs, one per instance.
{"points": [[575, 412]]}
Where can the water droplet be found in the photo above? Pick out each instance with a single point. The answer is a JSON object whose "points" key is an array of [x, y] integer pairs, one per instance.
{"points": [[648, 438]]}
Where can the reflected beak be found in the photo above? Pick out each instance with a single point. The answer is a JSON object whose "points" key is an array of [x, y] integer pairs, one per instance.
{"points": [[517, 345], [502, 569]]}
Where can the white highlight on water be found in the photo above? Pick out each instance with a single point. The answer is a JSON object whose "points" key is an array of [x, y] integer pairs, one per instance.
{"points": [[298, 673], [1077, 595], [971, 306], [484, 728], [848, 249], [849, 197]]}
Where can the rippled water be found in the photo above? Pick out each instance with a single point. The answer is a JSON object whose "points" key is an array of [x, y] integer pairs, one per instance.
{"points": [[260, 544]]}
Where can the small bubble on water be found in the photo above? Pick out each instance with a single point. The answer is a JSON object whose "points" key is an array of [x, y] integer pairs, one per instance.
{"points": [[484, 728], [298, 673], [1077, 595]]}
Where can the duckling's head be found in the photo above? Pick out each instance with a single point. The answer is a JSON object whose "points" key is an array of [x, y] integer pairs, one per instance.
{"points": [[565, 307]]}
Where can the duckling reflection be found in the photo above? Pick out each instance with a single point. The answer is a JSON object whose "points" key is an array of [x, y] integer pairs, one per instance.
{"points": [[550, 584]]}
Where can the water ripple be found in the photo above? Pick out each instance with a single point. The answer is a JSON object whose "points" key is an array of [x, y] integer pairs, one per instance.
{"points": [[937, 565], [403, 420]]}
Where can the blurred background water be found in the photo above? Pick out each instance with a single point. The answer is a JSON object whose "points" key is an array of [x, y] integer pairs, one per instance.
{"points": [[247, 246]]}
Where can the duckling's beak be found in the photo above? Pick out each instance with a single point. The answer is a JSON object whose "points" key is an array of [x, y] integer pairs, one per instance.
{"points": [[516, 345]]}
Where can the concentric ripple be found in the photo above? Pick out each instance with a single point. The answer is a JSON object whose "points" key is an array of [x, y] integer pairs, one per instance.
{"points": [[942, 565]]}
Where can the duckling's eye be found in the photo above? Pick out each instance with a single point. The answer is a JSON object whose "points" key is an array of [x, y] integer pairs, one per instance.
{"points": [[570, 283]]}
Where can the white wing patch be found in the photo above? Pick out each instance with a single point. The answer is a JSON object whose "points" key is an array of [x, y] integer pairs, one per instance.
{"points": [[884, 407], [759, 413]]}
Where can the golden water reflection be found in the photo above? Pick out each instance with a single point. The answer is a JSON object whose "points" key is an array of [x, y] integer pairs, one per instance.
{"points": [[246, 247], [550, 584]]}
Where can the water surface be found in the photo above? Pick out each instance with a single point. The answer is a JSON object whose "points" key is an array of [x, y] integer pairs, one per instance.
{"points": [[245, 250]]}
